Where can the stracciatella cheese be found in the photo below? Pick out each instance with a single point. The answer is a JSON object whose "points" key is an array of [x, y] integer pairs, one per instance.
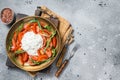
{"points": [[31, 42]]}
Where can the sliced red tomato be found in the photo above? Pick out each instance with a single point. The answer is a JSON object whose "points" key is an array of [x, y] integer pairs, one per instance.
{"points": [[46, 31], [25, 57], [38, 51], [42, 51], [20, 48], [13, 42], [18, 45], [34, 58], [13, 45], [20, 57], [43, 24], [37, 29], [35, 24], [34, 29], [14, 39], [20, 35], [54, 42], [42, 58], [30, 62], [51, 45], [25, 30], [44, 41], [27, 26], [41, 32], [48, 52]]}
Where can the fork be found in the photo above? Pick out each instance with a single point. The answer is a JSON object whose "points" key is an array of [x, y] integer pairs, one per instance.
{"points": [[58, 72]]}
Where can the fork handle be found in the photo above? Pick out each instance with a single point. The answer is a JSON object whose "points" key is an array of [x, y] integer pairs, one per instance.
{"points": [[58, 72]]}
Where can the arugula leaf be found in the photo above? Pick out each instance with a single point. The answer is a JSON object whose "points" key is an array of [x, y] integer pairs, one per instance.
{"points": [[14, 58], [54, 52], [19, 28], [47, 45], [19, 51], [39, 25], [37, 63], [48, 27], [53, 33], [33, 20]]}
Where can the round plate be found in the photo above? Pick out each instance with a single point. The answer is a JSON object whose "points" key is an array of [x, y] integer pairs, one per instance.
{"points": [[11, 55]]}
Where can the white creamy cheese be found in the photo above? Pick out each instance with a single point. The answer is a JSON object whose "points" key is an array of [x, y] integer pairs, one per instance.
{"points": [[31, 42]]}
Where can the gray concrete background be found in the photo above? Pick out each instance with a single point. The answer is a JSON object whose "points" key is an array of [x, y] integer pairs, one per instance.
{"points": [[97, 30]]}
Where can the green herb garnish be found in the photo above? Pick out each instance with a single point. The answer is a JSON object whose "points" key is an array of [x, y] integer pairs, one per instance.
{"points": [[19, 28], [54, 52], [53, 33], [47, 27], [19, 51], [38, 63]]}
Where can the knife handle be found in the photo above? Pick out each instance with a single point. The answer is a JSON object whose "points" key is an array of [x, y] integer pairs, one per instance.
{"points": [[60, 59], [58, 72]]}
